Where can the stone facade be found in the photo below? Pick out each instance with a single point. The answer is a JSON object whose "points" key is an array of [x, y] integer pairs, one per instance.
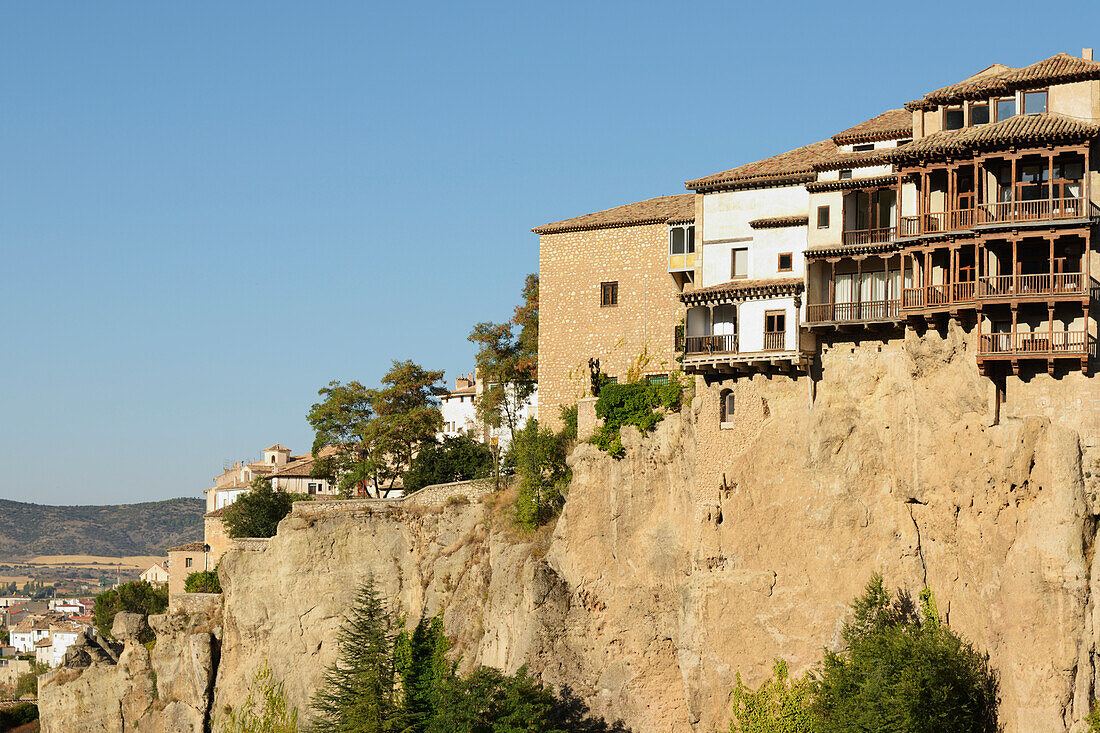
{"points": [[574, 327]]}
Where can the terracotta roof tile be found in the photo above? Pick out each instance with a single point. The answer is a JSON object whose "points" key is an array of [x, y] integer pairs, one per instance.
{"points": [[850, 183], [1021, 129], [745, 288], [660, 210], [277, 447], [893, 124], [1060, 68], [789, 168], [867, 158], [776, 222], [189, 547]]}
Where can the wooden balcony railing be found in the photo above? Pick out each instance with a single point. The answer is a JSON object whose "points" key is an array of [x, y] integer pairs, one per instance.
{"points": [[1040, 210], [775, 341], [1004, 286], [1038, 342], [870, 236], [910, 226], [721, 344], [947, 221], [868, 310], [933, 296]]}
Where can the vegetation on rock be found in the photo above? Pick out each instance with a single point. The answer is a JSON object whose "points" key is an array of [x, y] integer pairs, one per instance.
{"points": [[136, 597], [538, 458], [203, 581], [638, 403], [454, 459], [12, 718], [264, 710], [901, 671], [257, 512]]}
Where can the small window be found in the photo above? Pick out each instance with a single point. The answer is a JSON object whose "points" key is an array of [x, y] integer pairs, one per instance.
{"points": [[725, 406], [609, 294], [1006, 107], [845, 175], [681, 240], [822, 217], [775, 322], [739, 264], [1035, 102], [863, 148], [187, 562], [953, 118], [979, 114], [786, 262], [904, 141], [657, 379]]}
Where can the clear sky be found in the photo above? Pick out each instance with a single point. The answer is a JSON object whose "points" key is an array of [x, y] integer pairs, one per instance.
{"points": [[208, 210]]}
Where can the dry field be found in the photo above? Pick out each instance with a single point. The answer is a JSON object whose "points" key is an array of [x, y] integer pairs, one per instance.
{"points": [[140, 562]]}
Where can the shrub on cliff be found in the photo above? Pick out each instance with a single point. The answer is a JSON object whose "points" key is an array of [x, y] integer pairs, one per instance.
{"points": [[780, 705], [637, 403], [265, 709], [136, 597], [203, 581], [455, 459], [12, 718], [257, 512], [538, 457]]}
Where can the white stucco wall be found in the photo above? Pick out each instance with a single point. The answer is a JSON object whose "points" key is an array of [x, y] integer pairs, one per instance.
{"points": [[726, 215], [458, 416], [751, 323]]}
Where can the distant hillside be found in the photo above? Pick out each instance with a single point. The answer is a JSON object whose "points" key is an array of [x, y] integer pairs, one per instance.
{"points": [[116, 530]]}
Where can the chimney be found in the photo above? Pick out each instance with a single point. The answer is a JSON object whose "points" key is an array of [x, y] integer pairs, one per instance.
{"points": [[1086, 54]]}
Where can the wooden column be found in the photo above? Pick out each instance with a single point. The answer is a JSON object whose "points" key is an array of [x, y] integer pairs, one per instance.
{"points": [[1012, 190], [1050, 239], [1050, 185], [1015, 274]]}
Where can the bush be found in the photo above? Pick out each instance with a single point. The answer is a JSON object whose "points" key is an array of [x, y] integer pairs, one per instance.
{"points": [[538, 456], [455, 459], [19, 715], [633, 403], [265, 708], [203, 581], [780, 705], [257, 512], [136, 597], [27, 684]]}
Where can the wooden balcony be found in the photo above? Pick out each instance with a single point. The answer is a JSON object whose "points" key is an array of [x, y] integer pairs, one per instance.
{"points": [[870, 236], [1037, 343], [863, 312], [721, 344], [993, 213], [938, 297], [775, 341], [681, 263], [1011, 287]]}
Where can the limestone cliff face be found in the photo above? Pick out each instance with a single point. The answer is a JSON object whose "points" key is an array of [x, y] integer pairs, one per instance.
{"points": [[708, 551]]}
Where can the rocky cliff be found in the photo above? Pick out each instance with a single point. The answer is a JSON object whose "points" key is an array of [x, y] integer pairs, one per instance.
{"points": [[708, 550]]}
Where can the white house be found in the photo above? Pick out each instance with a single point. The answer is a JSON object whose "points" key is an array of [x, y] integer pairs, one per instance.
{"points": [[156, 575], [459, 415], [50, 650]]}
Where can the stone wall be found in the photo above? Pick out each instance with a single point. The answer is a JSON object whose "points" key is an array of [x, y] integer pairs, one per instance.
{"points": [[573, 327], [12, 669], [196, 603]]}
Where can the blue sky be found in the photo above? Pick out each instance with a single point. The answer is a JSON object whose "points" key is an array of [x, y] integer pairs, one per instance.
{"points": [[209, 210]]}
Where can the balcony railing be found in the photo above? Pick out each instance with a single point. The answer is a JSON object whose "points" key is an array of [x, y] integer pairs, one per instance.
{"points": [[870, 236], [935, 296], [720, 344], [681, 262], [1038, 342], [948, 221], [1008, 286], [1039, 210], [775, 341], [868, 310]]}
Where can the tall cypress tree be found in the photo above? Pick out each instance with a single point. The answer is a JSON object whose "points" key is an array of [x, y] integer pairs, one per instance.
{"points": [[359, 693]]}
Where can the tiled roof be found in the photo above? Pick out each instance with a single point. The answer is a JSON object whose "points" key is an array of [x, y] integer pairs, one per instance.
{"points": [[893, 124], [849, 183], [776, 222], [659, 210], [217, 512], [850, 249], [789, 168], [999, 79], [745, 288], [189, 547], [277, 447], [1021, 129], [840, 161]]}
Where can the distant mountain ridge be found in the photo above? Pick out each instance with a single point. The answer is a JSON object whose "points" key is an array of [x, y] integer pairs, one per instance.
{"points": [[116, 530]]}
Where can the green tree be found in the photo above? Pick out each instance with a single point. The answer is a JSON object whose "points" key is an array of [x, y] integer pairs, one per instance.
{"points": [[903, 671], [4, 637], [538, 456], [489, 701], [455, 459], [632, 403], [258, 511], [780, 705], [421, 661], [136, 597], [27, 684], [265, 708], [203, 581], [359, 692], [19, 715], [340, 420]]}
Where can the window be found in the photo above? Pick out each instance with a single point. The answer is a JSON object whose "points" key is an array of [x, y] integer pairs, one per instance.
{"points": [[863, 148], [845, 175], [953, 118], [906, 141], [786, 262], [681, 240], [187, 562], [725, 406], [739, 264], [609, 294], [657, 379], [1035, 102], [979, 114], [1006, 107], [312, 489], [822, 217], [775, 322]]}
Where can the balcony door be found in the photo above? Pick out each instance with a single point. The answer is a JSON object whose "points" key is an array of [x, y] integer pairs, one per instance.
{"points": [[725, 327]]}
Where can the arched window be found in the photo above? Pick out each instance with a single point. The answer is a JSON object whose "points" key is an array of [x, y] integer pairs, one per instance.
{"points": [[725, 409]]}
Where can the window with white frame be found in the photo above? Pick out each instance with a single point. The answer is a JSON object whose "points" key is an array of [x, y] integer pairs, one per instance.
{"points": [[681, 239]]}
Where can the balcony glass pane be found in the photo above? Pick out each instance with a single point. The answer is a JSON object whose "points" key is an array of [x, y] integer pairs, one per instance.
{"points": [[690, 240], [953, 119], [677, 246]]}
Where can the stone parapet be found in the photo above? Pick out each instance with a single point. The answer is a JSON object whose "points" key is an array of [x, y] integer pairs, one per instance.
{"points": [[430, 496], [195, 603], [251, 544]]}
